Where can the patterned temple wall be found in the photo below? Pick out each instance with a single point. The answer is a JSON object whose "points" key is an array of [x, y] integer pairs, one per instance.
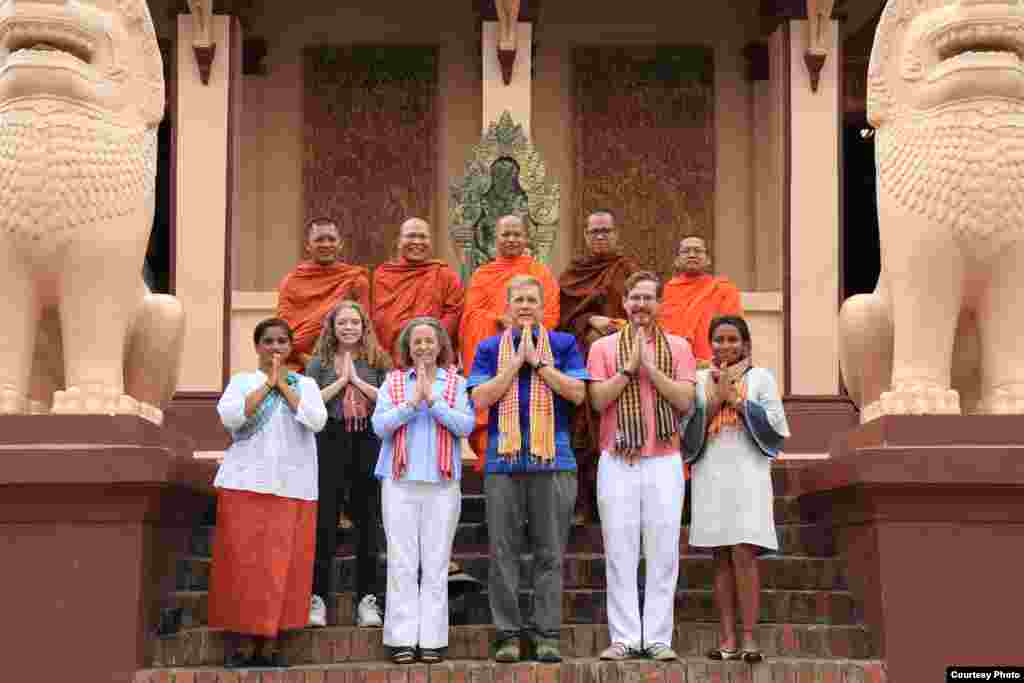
{"points": [[272, 143]]}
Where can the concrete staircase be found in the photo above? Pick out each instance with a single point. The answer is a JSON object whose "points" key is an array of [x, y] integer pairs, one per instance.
{"points": [[811, 626]]}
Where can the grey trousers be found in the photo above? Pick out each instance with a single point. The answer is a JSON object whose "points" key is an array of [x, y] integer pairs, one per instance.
{"points": [[544, 502]]}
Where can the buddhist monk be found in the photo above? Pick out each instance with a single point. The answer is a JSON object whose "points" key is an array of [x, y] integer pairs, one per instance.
{"points": [[693, 298], [415, 285], [311, 291], [485, 314], [592, 292]]}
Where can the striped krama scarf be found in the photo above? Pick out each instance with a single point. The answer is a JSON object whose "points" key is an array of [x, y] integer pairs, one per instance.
{"points": [[728, 417], [400, 453], [630, 436], [355, 409], [542, 407]]}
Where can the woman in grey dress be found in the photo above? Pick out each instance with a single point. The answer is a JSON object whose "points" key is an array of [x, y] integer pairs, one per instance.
{"points": [[736, 428]]}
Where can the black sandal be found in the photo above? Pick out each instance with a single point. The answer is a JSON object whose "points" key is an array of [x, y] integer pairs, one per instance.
{"points": [[720, 654], [403, 655], [430, 655], [751, 655]]}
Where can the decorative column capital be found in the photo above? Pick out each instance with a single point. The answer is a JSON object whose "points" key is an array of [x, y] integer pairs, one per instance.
{"points": [[819, 16], [203, 47]]}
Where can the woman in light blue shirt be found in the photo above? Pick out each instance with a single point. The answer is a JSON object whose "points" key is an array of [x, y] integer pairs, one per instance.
{"points": [[422, 412]]}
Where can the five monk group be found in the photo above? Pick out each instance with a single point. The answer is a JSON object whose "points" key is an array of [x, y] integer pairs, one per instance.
{"points": [[576, 396]]}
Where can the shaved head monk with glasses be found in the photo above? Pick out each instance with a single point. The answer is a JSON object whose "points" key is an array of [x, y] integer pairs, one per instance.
{"points": [[592, 290]]}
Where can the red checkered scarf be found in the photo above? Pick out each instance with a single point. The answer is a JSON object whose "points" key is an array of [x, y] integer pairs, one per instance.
{"points": [[400, 452], [542, 406]]}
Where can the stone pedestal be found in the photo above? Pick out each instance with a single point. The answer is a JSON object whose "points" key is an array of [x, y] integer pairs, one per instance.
{"points": [[93, 513], [928, 512]]}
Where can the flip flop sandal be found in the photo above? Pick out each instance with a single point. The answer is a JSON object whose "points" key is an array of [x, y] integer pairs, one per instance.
{"points": [[721, 654], [752, 656], [403, 655], [431, 655]]}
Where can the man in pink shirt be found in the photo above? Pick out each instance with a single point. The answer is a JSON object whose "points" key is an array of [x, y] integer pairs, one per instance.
{"points": [[643, 380]]}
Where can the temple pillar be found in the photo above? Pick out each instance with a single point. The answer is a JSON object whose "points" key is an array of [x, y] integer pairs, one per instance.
{"points": [[811, 247], [206, 177]]}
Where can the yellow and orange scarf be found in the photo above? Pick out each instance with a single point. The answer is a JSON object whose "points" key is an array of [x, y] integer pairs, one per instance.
{"points": [[542, 406]]}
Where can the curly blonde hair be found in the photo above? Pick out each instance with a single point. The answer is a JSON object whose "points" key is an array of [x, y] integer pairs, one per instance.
{"points": [[369, 349]]}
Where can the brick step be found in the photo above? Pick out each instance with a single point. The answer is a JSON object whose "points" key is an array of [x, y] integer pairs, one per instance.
{"points": [[794, 539], [587, 570], [787, 511], [785, 478], [340, 644], [588, 606], [573, 670]]}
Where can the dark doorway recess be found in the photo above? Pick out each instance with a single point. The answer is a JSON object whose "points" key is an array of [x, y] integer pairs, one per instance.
{"points": [[158, 254], [861, 246]]}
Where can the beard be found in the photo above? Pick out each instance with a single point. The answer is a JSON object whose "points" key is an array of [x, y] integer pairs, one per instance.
{"points": [[962, 168], [70, 168]]}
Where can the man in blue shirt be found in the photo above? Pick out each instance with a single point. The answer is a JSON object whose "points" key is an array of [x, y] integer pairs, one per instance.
{"points": [[530, 379]]}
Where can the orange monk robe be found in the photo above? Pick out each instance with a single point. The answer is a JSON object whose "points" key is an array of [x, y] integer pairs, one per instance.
{"points": [[690, 303], [403, 290], [486, 302], [309, 292]]}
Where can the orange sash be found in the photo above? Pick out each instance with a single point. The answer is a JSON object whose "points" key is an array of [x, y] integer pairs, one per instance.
{"points": [[403, 290], [486, 301], [309, 292], [691, 303]]}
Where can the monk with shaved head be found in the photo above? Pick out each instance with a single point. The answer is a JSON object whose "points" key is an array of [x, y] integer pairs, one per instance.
{"points": [[415, 285], [315, 287], [485, 314]]}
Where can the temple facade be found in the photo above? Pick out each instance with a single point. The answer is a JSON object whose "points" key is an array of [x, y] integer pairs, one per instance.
{"points": [[734, 120]]}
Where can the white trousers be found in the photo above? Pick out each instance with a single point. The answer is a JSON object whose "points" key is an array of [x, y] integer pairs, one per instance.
{"points": [[420, 519], [641, 502]]}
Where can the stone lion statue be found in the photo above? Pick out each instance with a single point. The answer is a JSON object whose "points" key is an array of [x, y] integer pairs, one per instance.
{"points": [[942, 328], [81, 96]]}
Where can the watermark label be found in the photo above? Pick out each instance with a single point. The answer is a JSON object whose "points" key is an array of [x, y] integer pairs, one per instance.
{"points": [[959, 674]]}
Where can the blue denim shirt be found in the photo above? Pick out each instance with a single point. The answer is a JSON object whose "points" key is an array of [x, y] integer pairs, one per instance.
{"points": [[569, 361], [421, 435]]}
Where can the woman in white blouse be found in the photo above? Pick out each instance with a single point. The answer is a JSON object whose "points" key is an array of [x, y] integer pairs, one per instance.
{"points": [[266, 501], [422, 411]]}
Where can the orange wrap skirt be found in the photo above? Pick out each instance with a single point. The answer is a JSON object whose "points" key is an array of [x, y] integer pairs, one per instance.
{"points": [[262, 573]]}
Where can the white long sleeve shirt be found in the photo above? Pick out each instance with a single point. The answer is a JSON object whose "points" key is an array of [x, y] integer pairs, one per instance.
{"points": [[280, 459]]}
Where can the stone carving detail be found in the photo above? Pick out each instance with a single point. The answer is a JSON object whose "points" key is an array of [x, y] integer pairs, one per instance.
{"points": [[939, 333], [505, 175], [83, 96]]}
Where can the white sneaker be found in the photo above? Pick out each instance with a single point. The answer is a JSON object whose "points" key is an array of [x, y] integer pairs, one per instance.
{"points": [[368, 614], [317, 611], [661, 652]]}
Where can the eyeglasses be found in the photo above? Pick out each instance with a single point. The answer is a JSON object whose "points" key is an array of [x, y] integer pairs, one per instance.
{"points": [[692, 250], [600, 232]]}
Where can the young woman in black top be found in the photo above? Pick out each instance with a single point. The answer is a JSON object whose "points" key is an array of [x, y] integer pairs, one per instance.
{"points": [[348, 366]]}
